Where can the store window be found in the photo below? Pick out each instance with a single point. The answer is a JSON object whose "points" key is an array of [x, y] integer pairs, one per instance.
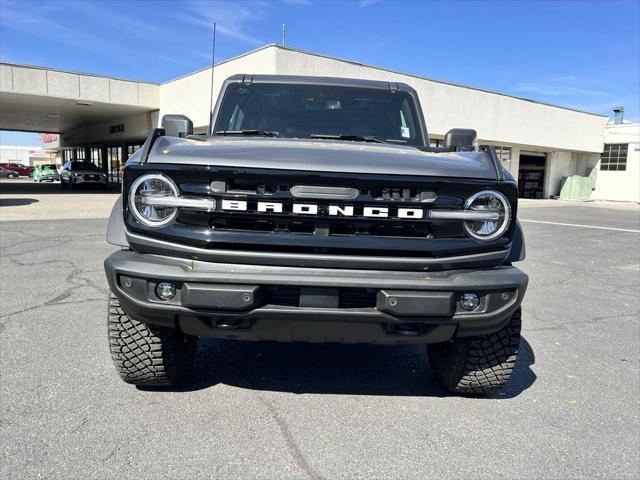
{"points": [[114, 162], [96, 157], [131, 149], [614, 157], [504, 154]]}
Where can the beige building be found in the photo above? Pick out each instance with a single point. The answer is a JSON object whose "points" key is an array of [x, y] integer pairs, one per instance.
{"points": [[25, 155], [617, 174], [106, 119]]}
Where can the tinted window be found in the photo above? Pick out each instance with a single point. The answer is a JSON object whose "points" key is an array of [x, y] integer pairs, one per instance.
{"points": [[299, 111], [83, 166]]}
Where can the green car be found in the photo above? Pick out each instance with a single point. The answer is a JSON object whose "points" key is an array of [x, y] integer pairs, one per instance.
{"points": [[46, 173]]}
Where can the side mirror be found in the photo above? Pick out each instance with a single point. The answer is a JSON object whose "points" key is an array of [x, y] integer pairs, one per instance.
{"points": [[177, 125], [461, 138]]}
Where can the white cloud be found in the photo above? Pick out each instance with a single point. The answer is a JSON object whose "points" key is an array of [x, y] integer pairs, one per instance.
{"points": [[31, 18], [233, 19], [570, 91], [552, 89], [127, 25]]}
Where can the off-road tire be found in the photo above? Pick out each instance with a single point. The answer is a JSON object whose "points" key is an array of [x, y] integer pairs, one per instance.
{"points": [[478, 365], [147, 355]]}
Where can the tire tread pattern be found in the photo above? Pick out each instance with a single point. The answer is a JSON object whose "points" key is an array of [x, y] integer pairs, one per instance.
{"points": [[480, 364], [146, 355]]}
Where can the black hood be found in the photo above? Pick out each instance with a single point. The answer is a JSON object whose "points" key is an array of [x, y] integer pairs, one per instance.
{"points": [[321, 156]]}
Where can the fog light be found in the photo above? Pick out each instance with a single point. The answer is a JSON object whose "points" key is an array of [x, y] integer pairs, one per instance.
{"points": [[470, 301], [166, 290]]}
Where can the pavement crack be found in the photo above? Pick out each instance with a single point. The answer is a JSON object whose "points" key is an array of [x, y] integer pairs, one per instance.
{"points": [[604, 317], [84, 421], [110, 455], [291, 443], [288, 438], [51, 302], [84, 300], [73, 278], [563, 324], [39, 264], [59, 298]]}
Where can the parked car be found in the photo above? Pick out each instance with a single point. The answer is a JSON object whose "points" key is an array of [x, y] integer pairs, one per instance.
{"points": [[46, 173], [19, 168], [8, 173], [314, 210], [73, 174]]}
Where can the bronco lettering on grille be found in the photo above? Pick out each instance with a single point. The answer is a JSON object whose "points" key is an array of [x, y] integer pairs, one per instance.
{"points": [[330, 210]]}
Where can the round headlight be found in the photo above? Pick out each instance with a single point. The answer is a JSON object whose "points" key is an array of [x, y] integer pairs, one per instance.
{"points": [[150, 185], [488, 201]]}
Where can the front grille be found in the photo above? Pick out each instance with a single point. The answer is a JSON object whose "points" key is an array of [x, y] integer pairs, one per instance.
{"points": [[344, 227], [273, 189], [321, 233]]}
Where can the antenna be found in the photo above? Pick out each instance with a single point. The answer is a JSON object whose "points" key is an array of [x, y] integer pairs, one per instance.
{"points": [[284, 33], [213, 64]]}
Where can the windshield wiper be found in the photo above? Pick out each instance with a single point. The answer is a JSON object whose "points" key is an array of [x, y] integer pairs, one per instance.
{"points": [[260, 133], [353, 138]]}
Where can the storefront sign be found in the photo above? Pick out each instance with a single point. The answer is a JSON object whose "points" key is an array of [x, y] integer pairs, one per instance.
{"points": [[48, 137]]}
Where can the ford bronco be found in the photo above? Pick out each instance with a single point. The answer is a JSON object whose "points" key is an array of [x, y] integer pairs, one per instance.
{"points": [[315, 210]]}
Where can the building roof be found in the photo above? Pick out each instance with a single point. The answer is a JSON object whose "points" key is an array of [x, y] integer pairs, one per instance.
{"points": [[384, 69], [305, 52], [74, 72]]}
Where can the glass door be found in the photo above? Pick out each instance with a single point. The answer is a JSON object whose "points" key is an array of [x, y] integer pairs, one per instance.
{"points": [[114, 161], [96, 157]]}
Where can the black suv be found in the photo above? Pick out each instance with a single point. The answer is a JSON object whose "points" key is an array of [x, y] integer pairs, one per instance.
{"points": [[76, 174], [314, 210]]}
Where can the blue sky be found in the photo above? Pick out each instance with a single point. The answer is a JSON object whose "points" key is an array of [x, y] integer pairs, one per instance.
{"points": [[579, 54]]}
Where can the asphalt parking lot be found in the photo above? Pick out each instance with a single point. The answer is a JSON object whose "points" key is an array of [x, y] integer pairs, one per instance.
{"points": [[318, 411]]}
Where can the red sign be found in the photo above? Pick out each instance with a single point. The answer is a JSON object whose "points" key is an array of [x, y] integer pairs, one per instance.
{"points": [[48, 137]]}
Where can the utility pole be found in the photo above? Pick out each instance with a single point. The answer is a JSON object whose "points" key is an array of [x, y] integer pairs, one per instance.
{"points": [[284, 33]]}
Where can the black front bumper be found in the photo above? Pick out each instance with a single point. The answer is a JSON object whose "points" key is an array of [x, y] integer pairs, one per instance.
{"points": [[258, 302]]}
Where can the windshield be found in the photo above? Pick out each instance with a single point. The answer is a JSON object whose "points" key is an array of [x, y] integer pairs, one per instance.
{"points": [[84, 166], [304, 111]]}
